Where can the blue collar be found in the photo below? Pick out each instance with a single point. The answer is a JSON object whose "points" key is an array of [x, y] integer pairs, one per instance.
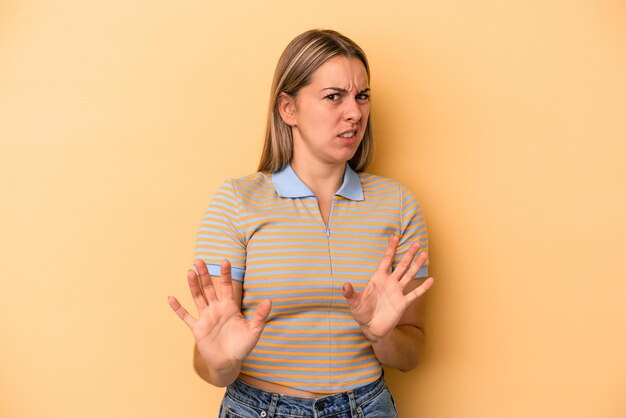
{"points": [[288, 184]]}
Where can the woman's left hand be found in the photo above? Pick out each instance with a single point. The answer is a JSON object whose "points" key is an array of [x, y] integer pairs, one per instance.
{"points": [[379, 307]]}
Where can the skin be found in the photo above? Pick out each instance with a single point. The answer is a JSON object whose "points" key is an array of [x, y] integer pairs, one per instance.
{"points": [[336, 101], [223, 336]]}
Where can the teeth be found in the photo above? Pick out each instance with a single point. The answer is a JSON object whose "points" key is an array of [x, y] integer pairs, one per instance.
{"points": [[347, 135]]}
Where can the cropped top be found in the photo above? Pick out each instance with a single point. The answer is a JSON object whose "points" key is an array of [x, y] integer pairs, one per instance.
{"points": [[270, 229]]}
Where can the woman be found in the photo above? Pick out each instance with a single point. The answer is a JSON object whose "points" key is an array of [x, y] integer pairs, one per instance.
{"points": [[297, 312]]}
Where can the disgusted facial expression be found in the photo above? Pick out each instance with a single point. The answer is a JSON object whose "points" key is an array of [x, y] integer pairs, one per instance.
{"points": [[329, 115]]}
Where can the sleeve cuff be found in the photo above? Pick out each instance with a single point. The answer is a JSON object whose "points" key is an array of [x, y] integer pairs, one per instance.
{"points": [[422, 273], [237, 273]]}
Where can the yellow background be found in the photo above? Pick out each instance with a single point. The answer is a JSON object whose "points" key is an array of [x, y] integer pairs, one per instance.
{"points": [[118, 119]]}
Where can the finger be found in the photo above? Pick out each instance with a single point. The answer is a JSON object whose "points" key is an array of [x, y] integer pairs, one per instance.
{"points": [[205, 281], [352, 297], [415, 267], [420, 290], [226, 281], [196, 290], [405, 263], [180, 311], [262, 312], [387, 261]]}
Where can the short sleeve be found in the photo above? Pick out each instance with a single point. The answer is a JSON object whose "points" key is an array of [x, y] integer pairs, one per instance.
{"points": [[412, 228], [218, 235]]}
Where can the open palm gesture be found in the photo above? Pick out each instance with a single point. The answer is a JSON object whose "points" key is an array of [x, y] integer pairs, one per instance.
{"points": [[224, 337], [379, 307]]}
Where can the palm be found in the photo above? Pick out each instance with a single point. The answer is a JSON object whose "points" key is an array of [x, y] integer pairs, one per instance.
{"points": [[223, 336], [222, 333], [379, 307]]}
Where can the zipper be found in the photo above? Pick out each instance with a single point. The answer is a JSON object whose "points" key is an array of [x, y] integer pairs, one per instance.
{"points": [[330, 216], [331, 347]]}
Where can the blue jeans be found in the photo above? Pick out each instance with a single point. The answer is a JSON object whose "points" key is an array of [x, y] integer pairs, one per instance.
{"points": [[372, 400]]}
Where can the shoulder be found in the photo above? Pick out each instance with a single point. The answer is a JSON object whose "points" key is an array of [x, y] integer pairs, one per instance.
{"points": [[254, 180], [373, 183], [248, 187], [380, 188]]}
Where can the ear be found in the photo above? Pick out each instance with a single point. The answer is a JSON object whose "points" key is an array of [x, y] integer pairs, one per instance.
{"points": [[287, 108]]}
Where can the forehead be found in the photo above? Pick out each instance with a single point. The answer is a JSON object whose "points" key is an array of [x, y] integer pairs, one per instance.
{"points": [[343, 72]]}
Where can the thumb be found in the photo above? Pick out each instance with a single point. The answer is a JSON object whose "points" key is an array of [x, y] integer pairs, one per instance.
{"points": [[349, 293], [262, 312]]}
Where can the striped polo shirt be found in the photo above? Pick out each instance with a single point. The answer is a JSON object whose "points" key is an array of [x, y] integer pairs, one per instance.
{"points": [[270, 228]]}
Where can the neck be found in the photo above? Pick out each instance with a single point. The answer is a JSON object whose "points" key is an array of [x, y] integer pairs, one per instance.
{"points": [[323, 179]]}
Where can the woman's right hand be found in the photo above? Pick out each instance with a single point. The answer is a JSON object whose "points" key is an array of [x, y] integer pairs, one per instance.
{"points": [[224, 337]]}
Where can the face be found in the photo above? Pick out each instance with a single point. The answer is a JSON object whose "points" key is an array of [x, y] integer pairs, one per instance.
{"points": [[328, 117]]}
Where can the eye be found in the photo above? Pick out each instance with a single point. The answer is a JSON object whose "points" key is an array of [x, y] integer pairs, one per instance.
{"points": [[333, 97], [362, 97]]}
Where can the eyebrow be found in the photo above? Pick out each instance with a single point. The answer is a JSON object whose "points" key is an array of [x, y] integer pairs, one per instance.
{"points": [[344, 91]]}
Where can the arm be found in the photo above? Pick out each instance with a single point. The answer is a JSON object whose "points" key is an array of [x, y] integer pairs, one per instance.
{"points": [[388, 309], [201, 366], [402, 346], [223, 336]]}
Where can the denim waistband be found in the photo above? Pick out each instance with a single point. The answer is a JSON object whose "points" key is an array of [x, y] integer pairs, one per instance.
{"points": [[323, 406]]}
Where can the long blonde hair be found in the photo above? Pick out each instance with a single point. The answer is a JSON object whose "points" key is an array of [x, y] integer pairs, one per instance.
{"points": [[300, 59]]}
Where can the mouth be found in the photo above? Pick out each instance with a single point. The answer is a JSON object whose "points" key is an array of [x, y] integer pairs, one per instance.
{"points": [[351, 133]]}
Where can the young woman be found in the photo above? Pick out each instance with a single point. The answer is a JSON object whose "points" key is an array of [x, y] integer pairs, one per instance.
{"points": [[309, 272]]}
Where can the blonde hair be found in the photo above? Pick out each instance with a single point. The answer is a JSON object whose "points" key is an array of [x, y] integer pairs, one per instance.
{"points": [[300, 59]]}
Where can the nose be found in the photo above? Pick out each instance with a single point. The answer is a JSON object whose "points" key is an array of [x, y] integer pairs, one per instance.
{"points": [[353, 111]]}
